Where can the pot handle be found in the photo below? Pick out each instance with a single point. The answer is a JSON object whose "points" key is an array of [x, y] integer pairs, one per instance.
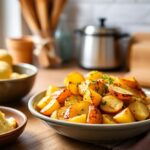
{"points": [[123, 35]]}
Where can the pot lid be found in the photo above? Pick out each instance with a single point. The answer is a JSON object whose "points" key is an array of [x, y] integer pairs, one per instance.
{"points": [[99, 30]]}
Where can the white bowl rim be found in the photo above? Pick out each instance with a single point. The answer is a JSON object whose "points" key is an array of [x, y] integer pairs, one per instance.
{"points": [[83, 125]]}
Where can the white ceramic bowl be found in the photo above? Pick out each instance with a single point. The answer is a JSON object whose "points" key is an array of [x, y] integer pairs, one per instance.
{"points": [[91, 132]]}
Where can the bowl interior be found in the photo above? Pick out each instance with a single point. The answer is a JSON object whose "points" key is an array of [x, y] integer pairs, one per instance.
{"points": [[25, 69], [19, 116]]}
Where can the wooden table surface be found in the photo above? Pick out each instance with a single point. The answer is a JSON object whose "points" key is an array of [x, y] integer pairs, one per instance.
{"points": [[37, 136]]}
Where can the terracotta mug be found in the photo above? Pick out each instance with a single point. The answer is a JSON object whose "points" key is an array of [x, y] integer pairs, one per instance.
{"points": [[21, 49]]}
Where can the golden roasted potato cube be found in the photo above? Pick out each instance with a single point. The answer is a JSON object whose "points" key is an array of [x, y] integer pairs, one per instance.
{"points": [[130, 82], [147, 100], [97, 85], [125, 116], [77, 109], [43, 102], [54, 114], [92, 97], [72, 100], [51, 89], [120, 93], [78, 119], [50, 107], [148, 106], [61, 112], [111, 104], [83, 87], [73, 88], [94, 115], [108, 119], [61, 95], [74, 77], [139, 110], [94, 75]]}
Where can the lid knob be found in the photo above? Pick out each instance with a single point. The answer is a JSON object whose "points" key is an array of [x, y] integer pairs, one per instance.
{"points": [[102, 22]]}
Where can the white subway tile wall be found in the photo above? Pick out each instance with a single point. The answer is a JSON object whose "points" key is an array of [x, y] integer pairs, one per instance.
{"points": [[129, 15]]}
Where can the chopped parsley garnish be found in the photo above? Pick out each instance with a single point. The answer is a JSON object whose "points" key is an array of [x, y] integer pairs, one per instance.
{"points": [[108, 79]]}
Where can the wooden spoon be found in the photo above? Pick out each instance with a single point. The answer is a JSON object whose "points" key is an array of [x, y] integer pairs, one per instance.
{"points": [[30, 16], [42, 12], [58, 5]]}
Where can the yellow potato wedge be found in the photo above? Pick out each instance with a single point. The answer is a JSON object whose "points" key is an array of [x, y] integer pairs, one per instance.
{"points": [[120, 93], [94, 115], [92, 97], [94, 75], [77, 109], [50, 107], [108, 119], [125, 116], [54, 115], [111, 104], [78, 119], [72, 100], [139, 110], [61, 112], [97, 85], [148, 107], [130, 82], [43, 102], [73, 88], [61, 95], [51, 89], [73, 77]]}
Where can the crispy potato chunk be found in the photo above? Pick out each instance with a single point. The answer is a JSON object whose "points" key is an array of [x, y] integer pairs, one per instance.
{"points": [[108, 119], [43, 102], [73, 77], [97, 86], [77, 109], [61, 95], [54, 115], [73, 88], [130, 82], [125, 116], [92, 97], [61, 112], [120, 93], [72, 100], [139, 110], [111, 104], [94, 115], [94, 75], [50, 107], [51, 89], [78, 119]]}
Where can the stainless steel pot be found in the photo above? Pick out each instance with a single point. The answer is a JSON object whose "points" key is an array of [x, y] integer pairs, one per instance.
{"points": [[100, 47]]}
